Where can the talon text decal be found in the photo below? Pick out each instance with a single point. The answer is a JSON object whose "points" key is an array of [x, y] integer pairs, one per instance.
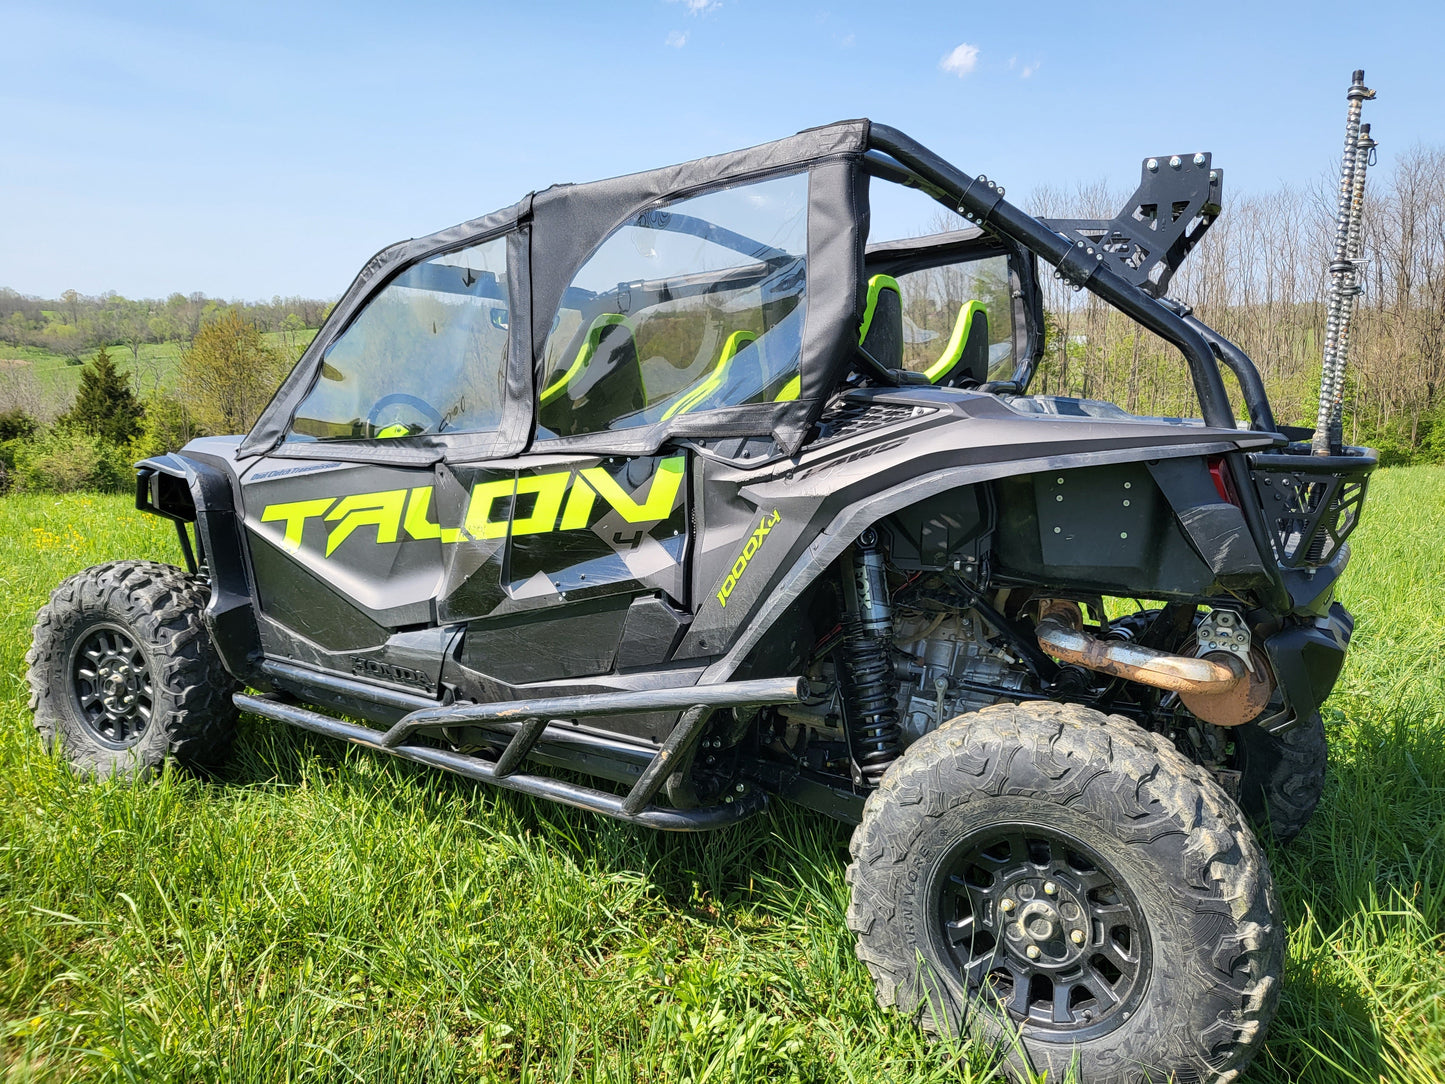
{"points": [[564, 502]]}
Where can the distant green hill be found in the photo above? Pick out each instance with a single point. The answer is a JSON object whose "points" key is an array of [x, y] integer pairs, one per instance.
{"points": [[46, 381]]}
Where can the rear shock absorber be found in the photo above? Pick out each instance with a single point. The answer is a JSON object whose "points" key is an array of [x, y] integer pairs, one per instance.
{"points": [[870, 683]]}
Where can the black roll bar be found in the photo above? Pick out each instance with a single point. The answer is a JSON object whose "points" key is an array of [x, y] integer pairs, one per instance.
{"points": [[983, 202], [1261, 415]]}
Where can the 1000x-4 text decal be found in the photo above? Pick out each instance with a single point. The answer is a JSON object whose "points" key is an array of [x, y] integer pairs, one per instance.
{"points": [[753, 544], [564, 502]]}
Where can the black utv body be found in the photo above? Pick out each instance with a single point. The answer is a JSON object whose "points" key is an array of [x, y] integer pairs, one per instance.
{"points": [[681, 481]]}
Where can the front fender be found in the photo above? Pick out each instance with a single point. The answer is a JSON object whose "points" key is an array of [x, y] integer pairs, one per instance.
{"points": [[189, 489]]}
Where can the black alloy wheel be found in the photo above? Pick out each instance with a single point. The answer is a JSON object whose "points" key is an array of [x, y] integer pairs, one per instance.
{"points": [[1037, 922], [111, 684], [1070, 891], [123, 673]]}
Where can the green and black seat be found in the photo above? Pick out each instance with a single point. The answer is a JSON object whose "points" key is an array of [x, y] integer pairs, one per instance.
{"points": [[716, 377], [964, 361], [603, 382], [881, 332]]}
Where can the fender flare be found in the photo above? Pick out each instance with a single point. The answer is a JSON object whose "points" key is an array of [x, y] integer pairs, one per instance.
{"points": [[230, 615]]}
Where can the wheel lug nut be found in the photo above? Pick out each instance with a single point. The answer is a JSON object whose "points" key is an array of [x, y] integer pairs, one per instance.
{"points": [[1077, 937], [1006, 904], [1033, 952], [1050, 888]]}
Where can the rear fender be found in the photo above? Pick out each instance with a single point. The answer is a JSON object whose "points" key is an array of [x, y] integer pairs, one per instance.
{"points": [[829, 543], [1307, 659]]}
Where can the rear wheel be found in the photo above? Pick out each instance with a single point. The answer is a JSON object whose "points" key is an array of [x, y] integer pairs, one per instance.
{"points": [[1281, 776], [1063, 884], [123, 672]]}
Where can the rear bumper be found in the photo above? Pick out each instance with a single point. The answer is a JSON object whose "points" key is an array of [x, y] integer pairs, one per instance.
{"points": [[1311, 503]]}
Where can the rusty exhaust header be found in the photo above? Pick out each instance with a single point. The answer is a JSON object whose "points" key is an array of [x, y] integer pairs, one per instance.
{"points": [[1219, 689]]}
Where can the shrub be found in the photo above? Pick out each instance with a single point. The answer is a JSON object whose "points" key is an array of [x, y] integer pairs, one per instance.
{"points": [[168, 425], [67, 460], [15, 424]]}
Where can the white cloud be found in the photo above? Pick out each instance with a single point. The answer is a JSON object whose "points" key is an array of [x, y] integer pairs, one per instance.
{"points": [[959, 62], [1012, 62], [847, 41], [677, 39], [1029, 70], [699, 7]]}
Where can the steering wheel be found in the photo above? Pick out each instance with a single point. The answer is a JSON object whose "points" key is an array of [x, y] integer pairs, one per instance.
{"points": [[401, 398]]}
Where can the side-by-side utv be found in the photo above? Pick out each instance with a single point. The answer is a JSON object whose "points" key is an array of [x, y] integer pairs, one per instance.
{"points": [[684, 481]]}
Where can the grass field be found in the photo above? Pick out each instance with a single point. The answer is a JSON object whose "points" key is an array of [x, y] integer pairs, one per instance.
{"points": [[320, 914]]}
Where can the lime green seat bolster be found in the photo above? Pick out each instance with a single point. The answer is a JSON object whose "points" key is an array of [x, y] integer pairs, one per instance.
{"points": [[790, 390], [714, 380], [953, 352], [584, 355], [876, 284]]}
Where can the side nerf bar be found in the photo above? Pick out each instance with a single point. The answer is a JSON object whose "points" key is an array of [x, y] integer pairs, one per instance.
{"points": [[727, 694], [707, 818]]}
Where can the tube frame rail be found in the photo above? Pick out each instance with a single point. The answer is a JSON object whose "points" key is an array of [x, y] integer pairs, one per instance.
{"points": [[983, 202], [739, 806], [727, 694]]}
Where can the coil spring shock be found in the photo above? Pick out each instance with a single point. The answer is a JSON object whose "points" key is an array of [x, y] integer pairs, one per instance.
{"points": [[870, 685]]}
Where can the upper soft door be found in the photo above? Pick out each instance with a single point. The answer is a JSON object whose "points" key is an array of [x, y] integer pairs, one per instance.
{"points": [[346, 552]]}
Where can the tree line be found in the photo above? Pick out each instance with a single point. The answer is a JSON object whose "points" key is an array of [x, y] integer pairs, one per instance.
{"points": [[1259, 277], [75, 325], [226, 373]]}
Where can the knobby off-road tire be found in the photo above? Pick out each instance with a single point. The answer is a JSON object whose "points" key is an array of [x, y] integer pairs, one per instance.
{"points": [[1021, 866], [123, 672], [1281, 775]]}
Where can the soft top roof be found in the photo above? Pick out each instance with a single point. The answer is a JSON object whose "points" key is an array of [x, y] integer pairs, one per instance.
{"points": [[552, 234]]}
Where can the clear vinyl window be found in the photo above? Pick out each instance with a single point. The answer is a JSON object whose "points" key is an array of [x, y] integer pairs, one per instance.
{"points": [[428, 354], [937, 299], [690, 306]]}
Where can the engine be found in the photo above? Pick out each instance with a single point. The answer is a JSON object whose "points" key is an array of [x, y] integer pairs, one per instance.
{"points": [[947, 664], [900, 663]]}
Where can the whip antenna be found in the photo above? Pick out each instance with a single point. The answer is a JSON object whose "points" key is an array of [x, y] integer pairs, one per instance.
{"points": [[1344, 269]]}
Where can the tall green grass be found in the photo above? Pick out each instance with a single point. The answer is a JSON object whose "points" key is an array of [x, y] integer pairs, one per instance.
{"points": [[320, 914]]}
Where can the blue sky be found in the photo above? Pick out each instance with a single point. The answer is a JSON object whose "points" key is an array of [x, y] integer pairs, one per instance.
{"points": [[255, 149]]}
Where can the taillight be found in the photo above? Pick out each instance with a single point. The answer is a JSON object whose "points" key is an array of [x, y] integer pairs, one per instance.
{"points": [[1222, 482]]}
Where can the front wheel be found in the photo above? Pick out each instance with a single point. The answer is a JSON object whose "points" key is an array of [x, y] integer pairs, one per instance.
{"points": [[123, 672], [1057, 882]]}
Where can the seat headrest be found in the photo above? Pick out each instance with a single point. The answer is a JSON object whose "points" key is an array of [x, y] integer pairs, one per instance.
{"points": [[881, 332]]}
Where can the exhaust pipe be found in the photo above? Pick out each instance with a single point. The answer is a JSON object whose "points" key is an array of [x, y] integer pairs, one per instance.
{"points": [[1220, 690]]}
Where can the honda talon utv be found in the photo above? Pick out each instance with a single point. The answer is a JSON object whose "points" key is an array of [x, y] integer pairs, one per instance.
{"points": [[682, 482]]}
